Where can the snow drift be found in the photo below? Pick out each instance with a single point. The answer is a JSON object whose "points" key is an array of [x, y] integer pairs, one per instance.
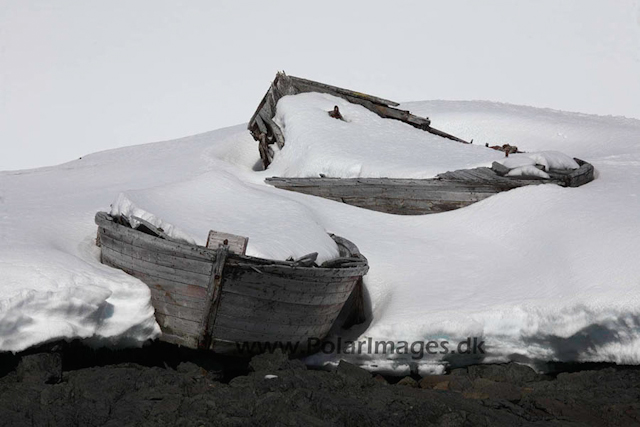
{"points": [[539, 273]]}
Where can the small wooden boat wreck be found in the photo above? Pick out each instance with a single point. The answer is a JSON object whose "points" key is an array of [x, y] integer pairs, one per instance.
{"points": [[220, 300], [445, 192]]}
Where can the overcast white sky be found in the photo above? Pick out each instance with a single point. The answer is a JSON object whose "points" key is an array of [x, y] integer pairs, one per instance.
{"points": [[82, 76]]}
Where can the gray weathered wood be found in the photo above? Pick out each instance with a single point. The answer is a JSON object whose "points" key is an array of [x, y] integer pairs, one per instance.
{"points": [[305, 315], [158, 283], [145, 267], [230, 303], [237, 244], [240, 335], [499, 168], [159, 258], [311, 286], [175, 326], [163, 296], [178, 311], [213, 297], [448, 191], [136, 238], [275, 294], [185, 341]]}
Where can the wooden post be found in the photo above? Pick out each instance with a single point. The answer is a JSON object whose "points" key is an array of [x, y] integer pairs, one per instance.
{"points": [[213, 298]]}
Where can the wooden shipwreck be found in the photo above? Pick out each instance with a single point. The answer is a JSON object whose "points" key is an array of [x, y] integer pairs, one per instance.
{"points": [[267, 132], [218, 300], [447, 191]]}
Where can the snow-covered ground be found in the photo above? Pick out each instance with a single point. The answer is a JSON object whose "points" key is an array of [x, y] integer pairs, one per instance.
{"points": [[539, 273]]}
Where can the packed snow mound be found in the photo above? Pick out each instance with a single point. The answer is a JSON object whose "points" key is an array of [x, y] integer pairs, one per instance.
{"points": [[539, 273], [528, 171], [277, 227], [546, 159], [363, 144]]}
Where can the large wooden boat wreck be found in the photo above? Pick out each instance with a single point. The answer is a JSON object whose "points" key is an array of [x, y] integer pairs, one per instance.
{"points": [[223, 301], [447, 191]]}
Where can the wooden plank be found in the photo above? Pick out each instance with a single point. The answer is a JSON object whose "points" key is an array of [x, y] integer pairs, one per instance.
{"points": [[152, 228], [163, 259], [300, 273], [136, 238], [275, 131], [582, 175], [499, 168], [178, 311], [185, 341], [196, 303], [338, 91], [235, 335], [155, 270], [237, 244], [159, 283], [180, 327], [350, 249], [230, 303], [275, 294], [444, 192], [269, 317], [301, 284], [266, 327], [213, 298]]}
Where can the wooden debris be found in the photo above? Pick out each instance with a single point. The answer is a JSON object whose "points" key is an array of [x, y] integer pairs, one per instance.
{"points": [[506, 148]]}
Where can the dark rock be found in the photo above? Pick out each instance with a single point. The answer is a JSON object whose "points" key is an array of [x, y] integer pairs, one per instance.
{"points": [[430, 381], [380, 379], [487, 389], [508, 372], [190, 369], [271, 362], [40, 368], [354, 374], [408, 382], [134, 394], [459, 383]]}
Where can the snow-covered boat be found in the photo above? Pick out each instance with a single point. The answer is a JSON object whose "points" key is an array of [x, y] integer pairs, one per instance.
{"points": [[265, 130], [445, 192], [226, 302]]}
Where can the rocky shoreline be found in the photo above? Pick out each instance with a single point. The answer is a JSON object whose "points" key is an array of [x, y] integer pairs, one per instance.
{"points": [[70, 384]]}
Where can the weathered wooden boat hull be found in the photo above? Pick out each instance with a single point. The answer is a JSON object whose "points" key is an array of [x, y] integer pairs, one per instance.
{"points": [[448, 191], [221, 301]]}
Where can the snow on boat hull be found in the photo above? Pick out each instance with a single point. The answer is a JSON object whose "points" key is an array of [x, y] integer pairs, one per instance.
{"points": [[217, 300], [448, 191]]}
